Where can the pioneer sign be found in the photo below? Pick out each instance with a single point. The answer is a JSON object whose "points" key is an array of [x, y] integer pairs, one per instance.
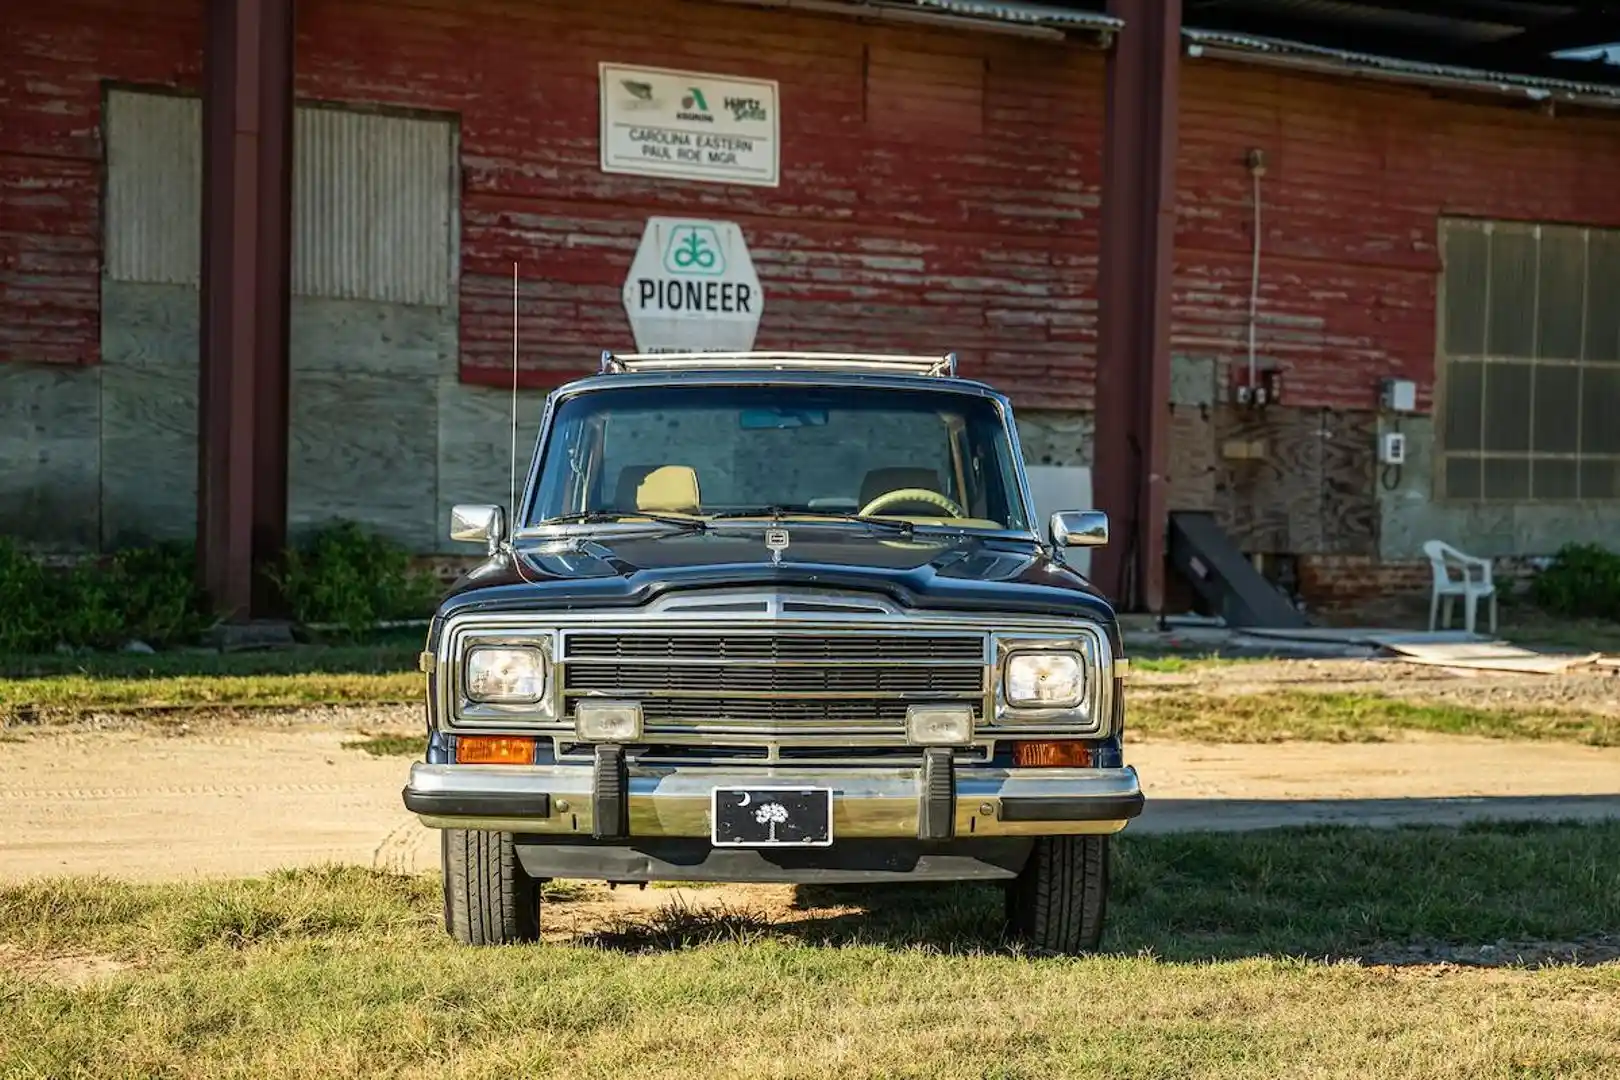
{"points": [[692, 287]]}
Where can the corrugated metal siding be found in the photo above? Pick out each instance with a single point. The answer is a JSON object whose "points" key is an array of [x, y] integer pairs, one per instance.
{"points": [[1357, 179], [975, 231], [372, 207], [154, 188]]}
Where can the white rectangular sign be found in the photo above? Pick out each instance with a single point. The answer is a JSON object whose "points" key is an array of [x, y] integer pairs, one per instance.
{"points": [[689, 126]]}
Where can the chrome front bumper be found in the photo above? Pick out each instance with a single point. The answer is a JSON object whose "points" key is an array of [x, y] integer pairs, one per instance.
{"points": [[934, 802]]}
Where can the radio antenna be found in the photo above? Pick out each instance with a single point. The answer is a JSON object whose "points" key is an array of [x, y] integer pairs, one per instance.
{"points": [[512, 505], [511, 520]]}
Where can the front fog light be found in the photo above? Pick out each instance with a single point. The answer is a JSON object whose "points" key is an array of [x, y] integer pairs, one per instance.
{"points": [[506, 675], [607, 721], [1045, 680], [939, 725]]}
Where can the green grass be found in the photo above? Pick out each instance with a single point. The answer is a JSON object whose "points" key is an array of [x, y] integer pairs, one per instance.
{"points": [[411, 746], [1346, 717], [1213, 967], [380, 658], [1176, 663], [34, 688], [65, 696]]}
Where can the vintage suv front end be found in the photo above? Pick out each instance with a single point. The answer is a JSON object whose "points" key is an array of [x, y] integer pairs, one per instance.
{"points": [[775, 618]]}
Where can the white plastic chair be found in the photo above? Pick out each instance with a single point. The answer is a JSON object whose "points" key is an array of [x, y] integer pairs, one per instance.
{"points": [[1472, 583]]}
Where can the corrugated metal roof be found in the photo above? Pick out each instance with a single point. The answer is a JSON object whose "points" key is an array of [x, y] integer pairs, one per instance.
{"points": [[1016, 11], [1534, 87], [1459, 22]]}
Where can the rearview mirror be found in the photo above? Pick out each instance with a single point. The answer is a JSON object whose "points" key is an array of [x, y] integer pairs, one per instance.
{"points": [[1079, 528], [773, 419], [479, 523]]}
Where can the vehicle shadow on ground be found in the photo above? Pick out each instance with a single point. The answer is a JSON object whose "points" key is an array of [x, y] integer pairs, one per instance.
{"points": [[1481, 894]]}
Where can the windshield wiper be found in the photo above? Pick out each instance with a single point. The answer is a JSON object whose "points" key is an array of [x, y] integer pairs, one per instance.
{"points": [[599, 517], [776, 513]]}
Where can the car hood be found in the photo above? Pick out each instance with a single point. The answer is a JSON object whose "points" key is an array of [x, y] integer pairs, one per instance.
{"points": [[925, 571]]}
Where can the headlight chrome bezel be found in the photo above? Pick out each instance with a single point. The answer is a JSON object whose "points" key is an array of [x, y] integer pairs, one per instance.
{"points": [[1089, 715], [468, 712]]}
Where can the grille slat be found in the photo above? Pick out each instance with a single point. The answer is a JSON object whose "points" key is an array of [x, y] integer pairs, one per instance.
{"points": [[776, 683], [752, 678], [889, 712]]}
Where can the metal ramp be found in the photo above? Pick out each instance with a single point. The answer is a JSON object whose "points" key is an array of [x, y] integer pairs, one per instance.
{"points": [[1202, 552]]}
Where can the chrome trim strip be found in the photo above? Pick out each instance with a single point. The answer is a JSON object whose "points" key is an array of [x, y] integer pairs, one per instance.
{"points": [[868, 802]]}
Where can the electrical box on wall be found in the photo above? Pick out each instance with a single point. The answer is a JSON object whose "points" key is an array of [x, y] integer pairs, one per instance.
{"points": [[1392, 448], [1399, 395], [1266, 389]]}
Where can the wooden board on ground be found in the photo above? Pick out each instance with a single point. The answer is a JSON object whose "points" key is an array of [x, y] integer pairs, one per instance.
{"points": [[1489, 656]]}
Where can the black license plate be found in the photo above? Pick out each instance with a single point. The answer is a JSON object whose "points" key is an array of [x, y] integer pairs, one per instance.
{"points": [[771, 817]]}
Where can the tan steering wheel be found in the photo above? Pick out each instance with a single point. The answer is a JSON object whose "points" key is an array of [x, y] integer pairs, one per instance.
{"points": [[905, 495]]}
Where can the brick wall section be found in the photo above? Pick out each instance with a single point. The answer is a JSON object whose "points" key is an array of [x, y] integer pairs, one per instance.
{"points": [[1357, 174], [947, 203], [1341, 581]]}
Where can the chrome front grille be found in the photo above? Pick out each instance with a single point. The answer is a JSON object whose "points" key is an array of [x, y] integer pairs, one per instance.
{"points": [[775, 683], [778, 647]]}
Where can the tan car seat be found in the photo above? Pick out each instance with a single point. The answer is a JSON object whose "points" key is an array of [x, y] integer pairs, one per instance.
{"points": [[657, 489]]}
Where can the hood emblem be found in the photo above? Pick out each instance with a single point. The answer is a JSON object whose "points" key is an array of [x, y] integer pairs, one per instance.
{"points": [[776, 541]]}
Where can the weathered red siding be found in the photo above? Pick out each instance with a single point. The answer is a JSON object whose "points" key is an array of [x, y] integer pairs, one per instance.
{"points": [[928, 235], [968, 226], [1357, 175], [53, 58], [907, 218]]}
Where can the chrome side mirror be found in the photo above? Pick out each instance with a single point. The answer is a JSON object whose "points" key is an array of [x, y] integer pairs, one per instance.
{"points": [[479, 523], [1079, 528]]}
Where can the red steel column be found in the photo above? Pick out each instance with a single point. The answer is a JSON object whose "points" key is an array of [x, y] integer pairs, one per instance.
{"points": [[246, 268], [1134, 282]]}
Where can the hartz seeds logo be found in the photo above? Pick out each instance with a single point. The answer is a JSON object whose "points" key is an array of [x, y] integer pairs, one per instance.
{"points": [[694, 106]]}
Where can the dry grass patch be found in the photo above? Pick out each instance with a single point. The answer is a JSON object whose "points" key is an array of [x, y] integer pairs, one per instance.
{"points": [[390, 745], [1223, 961], [70, 696], [1343, 716]]}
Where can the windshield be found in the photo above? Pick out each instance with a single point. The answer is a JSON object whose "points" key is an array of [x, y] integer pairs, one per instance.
{"points": [[927, 458]]}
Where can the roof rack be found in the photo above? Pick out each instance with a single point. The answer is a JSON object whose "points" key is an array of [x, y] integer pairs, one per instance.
{"points": [[944, 366]]}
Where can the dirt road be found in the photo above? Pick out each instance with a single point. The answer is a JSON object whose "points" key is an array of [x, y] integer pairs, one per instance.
{"points": [[227, 799]]}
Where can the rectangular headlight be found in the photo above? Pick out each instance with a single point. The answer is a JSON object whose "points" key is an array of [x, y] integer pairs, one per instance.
{"points": [[1045, 680], [505, 674]]}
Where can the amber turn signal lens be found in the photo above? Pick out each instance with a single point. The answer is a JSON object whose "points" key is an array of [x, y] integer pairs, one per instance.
{"points": [[1068, 754], [494, 750]]}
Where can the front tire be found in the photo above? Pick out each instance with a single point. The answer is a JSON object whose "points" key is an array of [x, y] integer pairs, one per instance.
{"points": [[1060, 899], [488, 898]]}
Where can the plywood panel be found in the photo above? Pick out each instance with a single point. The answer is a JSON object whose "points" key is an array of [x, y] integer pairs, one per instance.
{"points": [[1269, 503], [1349, 513], [1193, 464], [365, 449], [148, 433], [49, 456], [364, 336], [149, 454], [1312, 491]]}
